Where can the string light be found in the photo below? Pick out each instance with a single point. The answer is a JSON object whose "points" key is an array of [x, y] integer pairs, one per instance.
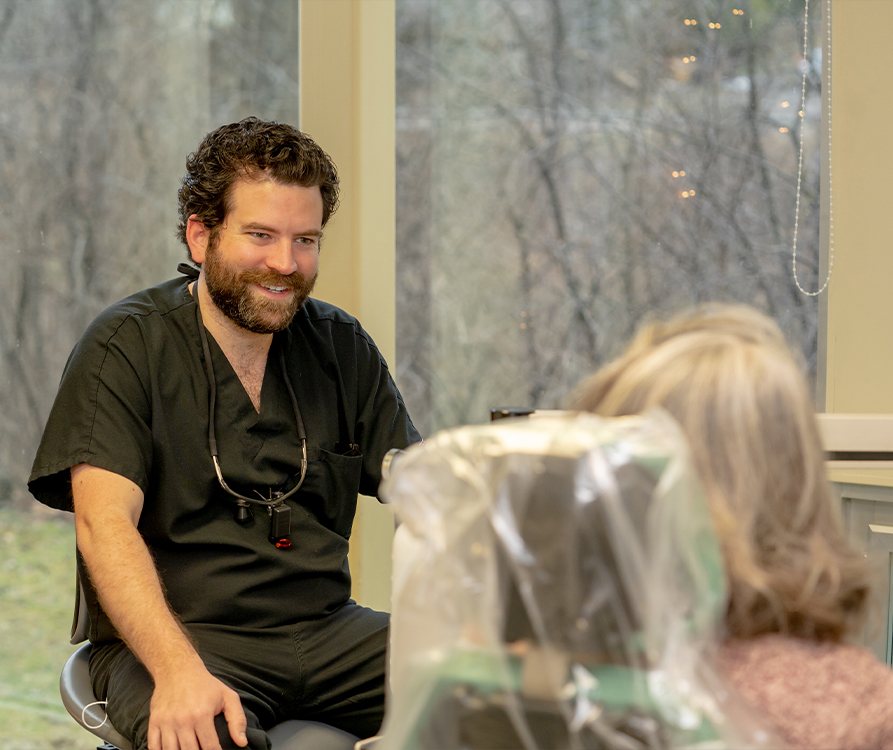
{"points": [[715, 25], [800, 161], [691, 22], [782, 130], [737, 11], [785, 105]]}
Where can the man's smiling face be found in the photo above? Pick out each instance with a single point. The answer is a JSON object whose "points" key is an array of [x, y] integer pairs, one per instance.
{"points": [[264, 262]]}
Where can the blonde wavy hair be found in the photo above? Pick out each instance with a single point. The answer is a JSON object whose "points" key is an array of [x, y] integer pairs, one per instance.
{"points": [[727, 376]]}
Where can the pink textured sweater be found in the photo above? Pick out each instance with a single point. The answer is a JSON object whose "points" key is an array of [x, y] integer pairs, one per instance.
{"points": [[818, 695]]}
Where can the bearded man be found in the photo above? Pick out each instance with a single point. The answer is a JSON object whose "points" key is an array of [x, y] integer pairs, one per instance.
{"points": [[211, 435]]}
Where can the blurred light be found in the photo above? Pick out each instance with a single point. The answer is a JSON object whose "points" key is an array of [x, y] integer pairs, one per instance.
{"points": [[800, 113], [682, 173], [782, 130], [685, 194], [785, 104], [675, 174], [523, 326]]}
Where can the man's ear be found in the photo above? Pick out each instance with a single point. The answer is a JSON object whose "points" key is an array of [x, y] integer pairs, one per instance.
{"points": [[197, 236]]}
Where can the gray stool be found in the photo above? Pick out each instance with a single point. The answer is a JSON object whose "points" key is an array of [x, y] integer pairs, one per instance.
{"points": [[77, 694]]}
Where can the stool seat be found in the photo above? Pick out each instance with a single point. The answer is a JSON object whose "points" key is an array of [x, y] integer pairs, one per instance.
{"points": [[77, 696]]}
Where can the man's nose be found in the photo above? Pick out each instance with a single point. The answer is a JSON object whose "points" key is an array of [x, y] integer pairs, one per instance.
{"points": [[281, 259]]}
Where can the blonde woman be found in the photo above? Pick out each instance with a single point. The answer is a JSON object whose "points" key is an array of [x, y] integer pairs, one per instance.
{"points": [[797, 590]]}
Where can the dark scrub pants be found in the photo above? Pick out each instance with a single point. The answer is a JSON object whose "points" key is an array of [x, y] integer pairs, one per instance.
{"points": [[329, 669]]}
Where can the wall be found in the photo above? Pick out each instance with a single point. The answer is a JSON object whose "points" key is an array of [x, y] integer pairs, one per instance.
{"points": [[860, 302], [348, 105]]}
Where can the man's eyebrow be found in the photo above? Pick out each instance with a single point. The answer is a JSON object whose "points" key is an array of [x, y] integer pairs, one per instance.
{"points": [[257, 226]]}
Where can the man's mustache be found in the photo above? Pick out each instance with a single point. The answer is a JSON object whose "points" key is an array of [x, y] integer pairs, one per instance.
{"points": [[295, 282]]}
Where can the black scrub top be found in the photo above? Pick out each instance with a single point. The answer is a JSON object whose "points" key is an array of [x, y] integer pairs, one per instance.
{"points": [[134, 400]]}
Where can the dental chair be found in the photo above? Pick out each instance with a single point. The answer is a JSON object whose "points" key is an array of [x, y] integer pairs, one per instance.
{"points": [[557, 584], [81, 703]]}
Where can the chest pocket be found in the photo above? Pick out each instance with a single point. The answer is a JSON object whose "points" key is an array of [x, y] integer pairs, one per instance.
{"points": [[330, 490]]}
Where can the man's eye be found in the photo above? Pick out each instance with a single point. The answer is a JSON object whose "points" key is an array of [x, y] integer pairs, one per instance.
{"points": [[260, 235]]}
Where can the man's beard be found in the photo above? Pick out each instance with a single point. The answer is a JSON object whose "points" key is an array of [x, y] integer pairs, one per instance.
{"points": [[231, 291]]}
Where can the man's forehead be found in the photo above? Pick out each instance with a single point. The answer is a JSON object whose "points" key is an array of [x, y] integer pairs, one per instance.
{"points": [[257, 192]]}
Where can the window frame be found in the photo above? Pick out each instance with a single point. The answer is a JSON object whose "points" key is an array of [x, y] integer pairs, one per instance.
{"points": [[347, 84]]}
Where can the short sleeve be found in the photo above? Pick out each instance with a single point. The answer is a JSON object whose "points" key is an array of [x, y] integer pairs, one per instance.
{"points": [[383, 421], [101, 415]]}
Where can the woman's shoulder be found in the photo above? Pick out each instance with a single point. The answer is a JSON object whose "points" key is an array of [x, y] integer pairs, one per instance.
{"points": [[778, 646], [817, 694]]}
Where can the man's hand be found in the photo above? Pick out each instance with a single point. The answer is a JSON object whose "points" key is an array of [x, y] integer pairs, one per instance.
{"points": [[187, 697], [183, 710]]}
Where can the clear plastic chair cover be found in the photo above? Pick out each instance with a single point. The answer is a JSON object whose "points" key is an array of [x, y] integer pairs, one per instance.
{"points": [[557, 584]]}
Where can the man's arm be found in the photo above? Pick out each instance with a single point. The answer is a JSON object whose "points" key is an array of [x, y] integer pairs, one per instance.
{"points": [[187, 697]]}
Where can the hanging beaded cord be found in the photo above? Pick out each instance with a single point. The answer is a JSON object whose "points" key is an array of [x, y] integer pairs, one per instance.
{"points": [[800, 163]]}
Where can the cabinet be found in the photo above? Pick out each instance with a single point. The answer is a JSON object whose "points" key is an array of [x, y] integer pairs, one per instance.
{"points": [[868, 517]]}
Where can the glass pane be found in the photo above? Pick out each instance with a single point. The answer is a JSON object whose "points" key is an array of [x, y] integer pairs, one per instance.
{"points": [[567, 168], [102, 102]]}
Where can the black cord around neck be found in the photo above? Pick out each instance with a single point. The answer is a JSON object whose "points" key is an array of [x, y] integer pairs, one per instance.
{"points": [[212, 399]]}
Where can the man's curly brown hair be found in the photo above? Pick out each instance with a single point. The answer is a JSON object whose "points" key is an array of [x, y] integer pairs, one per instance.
{"points": [[251, 149]]}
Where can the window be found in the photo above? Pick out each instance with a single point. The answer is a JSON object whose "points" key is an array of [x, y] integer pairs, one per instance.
{"points": [[102, 100], [567, 168]]}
